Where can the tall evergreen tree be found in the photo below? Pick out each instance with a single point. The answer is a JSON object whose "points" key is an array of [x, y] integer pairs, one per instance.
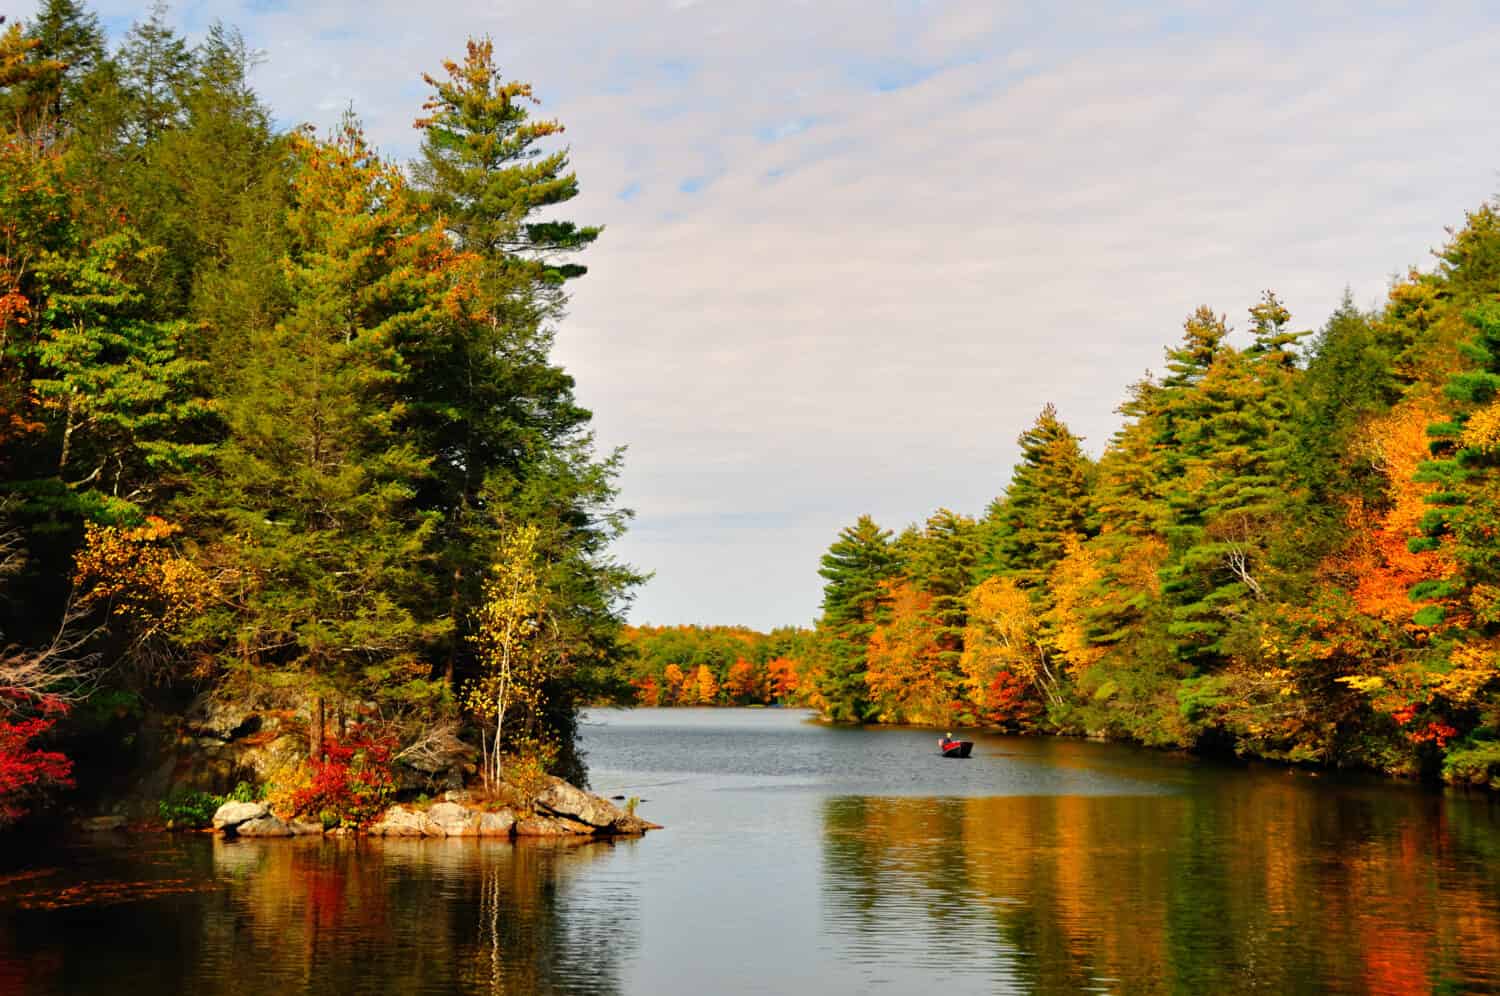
{"points": [[1235, 483], [68, 33], [1046, 501], [855, 571], [942, 566], [309, 516], [155, 65], [510, 442]]}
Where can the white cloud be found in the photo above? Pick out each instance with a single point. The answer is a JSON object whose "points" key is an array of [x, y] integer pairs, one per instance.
{"points": [[872, 293]]}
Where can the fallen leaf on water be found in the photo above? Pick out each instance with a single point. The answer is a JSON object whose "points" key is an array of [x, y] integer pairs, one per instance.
{"points": [[109, 893]]}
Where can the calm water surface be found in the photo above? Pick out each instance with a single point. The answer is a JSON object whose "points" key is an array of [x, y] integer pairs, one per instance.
{"points": [[806, 859]]}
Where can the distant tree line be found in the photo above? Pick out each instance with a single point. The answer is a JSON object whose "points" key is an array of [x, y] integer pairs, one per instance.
{"points": [[715, 665]]}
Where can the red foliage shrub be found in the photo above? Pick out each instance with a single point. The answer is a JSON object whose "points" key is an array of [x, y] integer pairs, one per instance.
{"points": [[351, 786], [1435, 733], [1010, 701], [26, 773]]}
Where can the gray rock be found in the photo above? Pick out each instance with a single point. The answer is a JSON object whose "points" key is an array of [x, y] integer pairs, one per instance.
{"points": [[458, 795], [300, 829], [563, 799], [541, 826], [498, 824], [398, 821], [265, 826], [456, 820], [101, 824], [232, 814]]}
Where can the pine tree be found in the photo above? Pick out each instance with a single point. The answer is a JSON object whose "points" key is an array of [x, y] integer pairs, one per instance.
{"points": [[1046, 501], [155, 65], [855, 571], [1235, 485], [510, 443], [942, 566], [309, 516], [1466, 455], [68, 33]]}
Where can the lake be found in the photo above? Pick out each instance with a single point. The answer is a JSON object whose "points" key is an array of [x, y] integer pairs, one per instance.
{"points": [[802, 858]]}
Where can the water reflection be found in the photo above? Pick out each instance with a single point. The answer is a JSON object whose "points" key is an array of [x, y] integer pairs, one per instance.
{"points": [[1263, 886], [314, 916]]}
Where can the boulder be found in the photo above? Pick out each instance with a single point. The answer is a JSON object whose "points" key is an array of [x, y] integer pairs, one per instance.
{"points": [[231, 815], [541, 826], [443, 765], [300, 829], [398, 821], [628, 824], [498, 824], [562, 799], [222, 719], [455, 820], [265, 826], [102, 824]]}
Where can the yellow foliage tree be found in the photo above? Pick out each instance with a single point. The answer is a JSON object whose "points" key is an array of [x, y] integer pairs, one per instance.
{"points": [[1071, 586], [707, 685], [136, 575], [507, 624], [1005, 634]]}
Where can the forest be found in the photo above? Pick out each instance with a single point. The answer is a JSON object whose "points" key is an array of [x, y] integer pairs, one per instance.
{"points": [[279, 421], [1286, 551]]}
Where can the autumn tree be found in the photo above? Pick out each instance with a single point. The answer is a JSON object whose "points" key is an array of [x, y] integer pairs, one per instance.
{"points": [[705, 686], [505, 633], [906, 674], [742, 684], [1004, 644]]}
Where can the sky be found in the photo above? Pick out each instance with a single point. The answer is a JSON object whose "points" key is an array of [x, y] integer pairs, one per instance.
{"points": [[852, 248]]}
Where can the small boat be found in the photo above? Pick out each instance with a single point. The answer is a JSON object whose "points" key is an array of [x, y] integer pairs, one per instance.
{"points": [[955, 748]]}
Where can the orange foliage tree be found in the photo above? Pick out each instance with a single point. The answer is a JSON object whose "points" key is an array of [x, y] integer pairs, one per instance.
{"points": [[1378, 564], [742, 684], [647, 692], [676, 683], [782, 678], [904, 666], [1071, 586]]}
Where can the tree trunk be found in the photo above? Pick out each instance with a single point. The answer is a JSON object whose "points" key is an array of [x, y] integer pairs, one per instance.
{"points": [[315, 734], [453, 646], [500, 726]]}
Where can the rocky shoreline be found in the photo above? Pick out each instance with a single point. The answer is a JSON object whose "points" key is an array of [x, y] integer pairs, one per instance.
{"points": [[559, 810]]}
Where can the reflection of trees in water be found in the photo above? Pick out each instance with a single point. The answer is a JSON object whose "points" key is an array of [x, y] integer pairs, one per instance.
{"points": [[462, 915], [1245, 884], [322, 916]]}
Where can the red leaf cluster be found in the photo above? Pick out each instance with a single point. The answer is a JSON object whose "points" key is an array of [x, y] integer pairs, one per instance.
{"points": [[351, 785], [25, 772]]}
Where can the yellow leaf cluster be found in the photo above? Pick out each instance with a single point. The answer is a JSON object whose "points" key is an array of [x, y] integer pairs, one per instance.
{"points": [[1473, 668], [1482, 431], [1071, 586], [137, 574]]}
